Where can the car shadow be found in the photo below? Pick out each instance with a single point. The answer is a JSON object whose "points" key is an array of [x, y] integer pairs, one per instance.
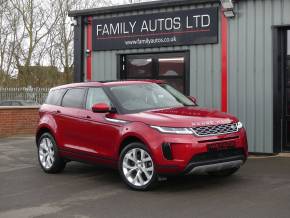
{"points": [[171, 184], [195, 182]]}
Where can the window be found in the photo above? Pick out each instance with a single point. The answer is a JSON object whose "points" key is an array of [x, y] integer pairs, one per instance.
{"points": [[95, 96], [139, 67], [171, 70], [54, 97], [74, 98], [177, 83], [171, 67]]}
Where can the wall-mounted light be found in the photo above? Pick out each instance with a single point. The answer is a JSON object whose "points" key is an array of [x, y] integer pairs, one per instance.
{"points": [[228, 8], [73, 22], [88, 52]]}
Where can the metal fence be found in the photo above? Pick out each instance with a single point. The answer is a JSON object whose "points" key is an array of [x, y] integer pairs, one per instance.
{"points": [[35, 94]]}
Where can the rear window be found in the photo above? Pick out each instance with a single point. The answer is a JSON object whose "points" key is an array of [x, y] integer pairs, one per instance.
{"points": [[74, 98], [54, 97]]}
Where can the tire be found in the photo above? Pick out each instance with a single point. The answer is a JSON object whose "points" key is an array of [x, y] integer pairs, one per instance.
{"points": [[136, 167], [48, 155], [224, 173]]}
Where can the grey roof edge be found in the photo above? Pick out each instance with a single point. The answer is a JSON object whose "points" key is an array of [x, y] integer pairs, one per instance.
{"points": [[136, 7]]}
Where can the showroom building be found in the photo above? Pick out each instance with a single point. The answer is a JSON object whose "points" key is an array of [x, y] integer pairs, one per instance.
{"points": [[232, 56]]}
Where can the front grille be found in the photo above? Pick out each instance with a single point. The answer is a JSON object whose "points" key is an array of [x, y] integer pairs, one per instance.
{"points": [[217, 155], [215, 130]]}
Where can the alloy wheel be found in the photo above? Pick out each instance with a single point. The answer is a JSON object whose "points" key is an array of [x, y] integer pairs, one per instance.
{"points": [[46, 153], [138, 167]]}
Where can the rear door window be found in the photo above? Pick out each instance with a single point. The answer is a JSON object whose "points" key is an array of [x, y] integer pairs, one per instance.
{"points": [[74, 98], [54, 96]]}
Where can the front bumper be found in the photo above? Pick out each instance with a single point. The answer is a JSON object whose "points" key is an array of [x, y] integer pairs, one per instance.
{"points": [[190, 154], [214, 165]]}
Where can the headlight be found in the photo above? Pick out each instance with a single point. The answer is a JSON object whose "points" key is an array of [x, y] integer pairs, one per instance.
{"points": [[171, 130], [239, 125]]}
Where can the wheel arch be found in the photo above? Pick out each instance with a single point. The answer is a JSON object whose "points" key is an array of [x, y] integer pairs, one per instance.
{"points": [[130, 139], [41, 130]]}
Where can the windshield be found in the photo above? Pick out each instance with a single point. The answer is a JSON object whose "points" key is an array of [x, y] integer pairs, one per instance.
{"points": [[140, 97]]}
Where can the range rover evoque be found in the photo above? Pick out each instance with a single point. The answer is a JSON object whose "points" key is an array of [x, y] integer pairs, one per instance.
{"points": [[145, 129]]}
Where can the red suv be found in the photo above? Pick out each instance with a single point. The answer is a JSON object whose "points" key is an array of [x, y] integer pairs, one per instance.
{"points": [[146, 129]]}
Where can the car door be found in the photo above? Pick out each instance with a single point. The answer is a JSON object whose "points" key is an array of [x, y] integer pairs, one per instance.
{"points": [[99, 135], [54, 108], [69, 119]]}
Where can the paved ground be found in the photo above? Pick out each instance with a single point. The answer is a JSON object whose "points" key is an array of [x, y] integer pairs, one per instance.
{"points": [[260, 189]]}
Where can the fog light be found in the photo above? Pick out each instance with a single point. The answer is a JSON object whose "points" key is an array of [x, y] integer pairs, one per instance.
{"points": [[166, 149]]}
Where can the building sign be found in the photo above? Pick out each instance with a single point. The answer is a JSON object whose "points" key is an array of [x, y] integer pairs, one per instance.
{"points": [[188, 27]]}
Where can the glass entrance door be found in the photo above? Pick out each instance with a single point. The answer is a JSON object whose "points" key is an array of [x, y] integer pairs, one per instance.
{"points": [[171, 67], [287, 94]]}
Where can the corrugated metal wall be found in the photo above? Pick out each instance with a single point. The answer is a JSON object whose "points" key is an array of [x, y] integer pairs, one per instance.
{"points": [[250, 67], [204, 64]]}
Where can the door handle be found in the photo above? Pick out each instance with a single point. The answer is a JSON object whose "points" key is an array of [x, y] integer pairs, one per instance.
{"points": [[58, 111], [88, 117]]}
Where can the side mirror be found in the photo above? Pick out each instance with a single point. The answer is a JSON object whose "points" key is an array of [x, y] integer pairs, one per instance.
{"points": [[193, 99], [101, 108]]}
